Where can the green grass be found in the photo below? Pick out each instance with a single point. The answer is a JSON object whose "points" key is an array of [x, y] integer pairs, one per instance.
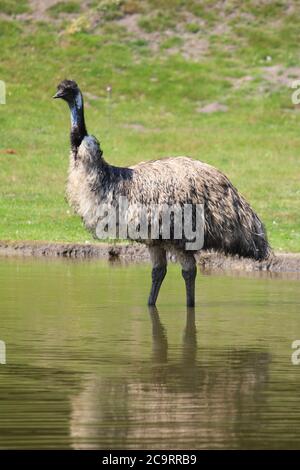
{"points": [[173, 41], [13, 7], [63, 7], [256, 143], [159, 22], [192, 28]]}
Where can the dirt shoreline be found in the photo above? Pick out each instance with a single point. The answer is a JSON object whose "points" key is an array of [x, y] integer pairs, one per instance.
{"points": [[135, 252]]}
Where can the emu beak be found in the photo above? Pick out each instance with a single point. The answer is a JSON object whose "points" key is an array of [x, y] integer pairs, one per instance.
{"points": [[58, 94]]}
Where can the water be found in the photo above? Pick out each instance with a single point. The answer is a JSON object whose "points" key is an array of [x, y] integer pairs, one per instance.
{"points": [[89, 366]]}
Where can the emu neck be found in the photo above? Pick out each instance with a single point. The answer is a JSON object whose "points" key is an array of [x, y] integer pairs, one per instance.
{"points": [[78, 129]]}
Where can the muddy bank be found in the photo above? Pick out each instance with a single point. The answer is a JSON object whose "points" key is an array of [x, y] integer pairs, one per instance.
{"points": [[280, 262]]}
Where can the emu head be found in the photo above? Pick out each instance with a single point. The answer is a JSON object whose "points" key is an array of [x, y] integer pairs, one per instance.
{"points": [[68, 90]]}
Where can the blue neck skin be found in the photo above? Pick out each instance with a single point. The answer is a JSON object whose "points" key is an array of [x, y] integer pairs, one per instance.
{"points": [[78, 129], [76, 108]]}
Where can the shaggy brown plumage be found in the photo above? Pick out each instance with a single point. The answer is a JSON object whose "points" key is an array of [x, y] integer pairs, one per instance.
{"points": [[231, 226]]}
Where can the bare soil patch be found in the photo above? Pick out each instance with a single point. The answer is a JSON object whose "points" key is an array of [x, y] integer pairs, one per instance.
{"points": [[212, 108]]}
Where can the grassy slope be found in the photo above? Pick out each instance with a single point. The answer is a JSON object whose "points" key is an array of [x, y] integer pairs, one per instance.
{"points": [[256, 143]]}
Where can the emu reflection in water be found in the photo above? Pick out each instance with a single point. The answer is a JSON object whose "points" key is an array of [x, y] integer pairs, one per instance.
{"points": [[173, 402]]}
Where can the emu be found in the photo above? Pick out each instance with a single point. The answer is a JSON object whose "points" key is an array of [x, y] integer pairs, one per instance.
{"points": [[230, 224]]}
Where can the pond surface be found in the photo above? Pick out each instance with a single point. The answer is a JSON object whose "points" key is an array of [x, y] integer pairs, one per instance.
{"points": [[89, 366]]}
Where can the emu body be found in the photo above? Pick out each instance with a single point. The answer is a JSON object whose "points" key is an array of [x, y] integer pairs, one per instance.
{"points": [[230, 225]]}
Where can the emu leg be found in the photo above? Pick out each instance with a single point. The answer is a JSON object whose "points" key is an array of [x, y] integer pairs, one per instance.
{"points": [[189, 273], [158, 275], [190, 277], [159, 270]]}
